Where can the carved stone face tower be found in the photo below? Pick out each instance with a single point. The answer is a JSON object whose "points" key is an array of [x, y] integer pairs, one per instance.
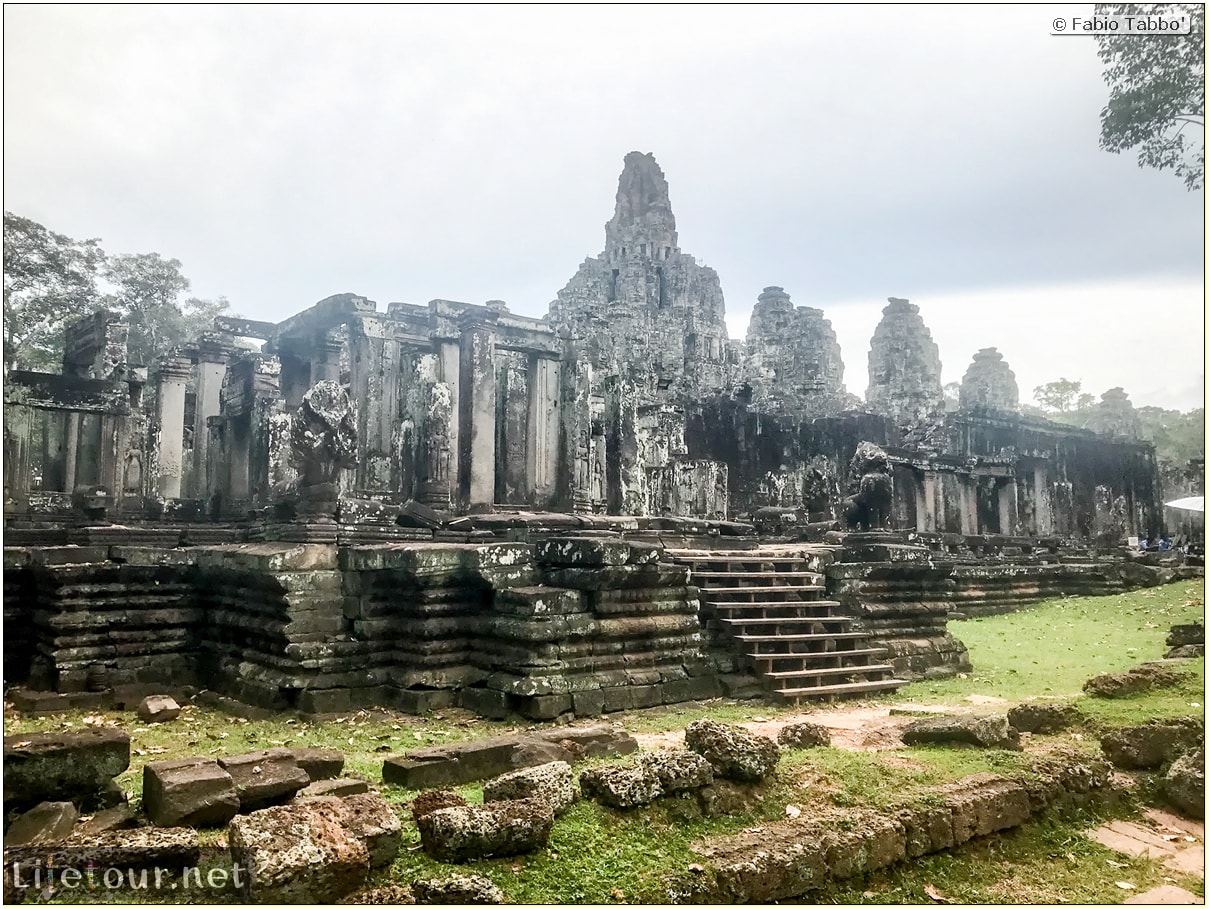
{"points": [[989, 383], [904, 366], [644, 310]]}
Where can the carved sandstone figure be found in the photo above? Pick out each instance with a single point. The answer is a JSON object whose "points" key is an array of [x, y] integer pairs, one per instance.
{"points": [[870, 487], [323, 442]]}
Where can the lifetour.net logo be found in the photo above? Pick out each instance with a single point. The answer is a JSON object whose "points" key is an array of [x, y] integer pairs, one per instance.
{"points": [[76, 880]]}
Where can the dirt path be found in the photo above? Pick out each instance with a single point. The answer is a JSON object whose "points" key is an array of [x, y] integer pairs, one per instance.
{"points": [[854, 728]]}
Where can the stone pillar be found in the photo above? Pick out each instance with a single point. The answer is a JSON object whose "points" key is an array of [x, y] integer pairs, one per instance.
{"points": [[17, 428], [1009, 513], [542, 466], [71, 444], [476, 441], [173, 374], [212, 356], [440, 469], [449, 371]]}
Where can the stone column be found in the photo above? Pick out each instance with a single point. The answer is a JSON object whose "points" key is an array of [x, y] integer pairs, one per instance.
{"points": [[173, 374], [17, 428], [542, 454], [477, 415], [449, 374], [1009, 513], [212, 356], [71, 444]]}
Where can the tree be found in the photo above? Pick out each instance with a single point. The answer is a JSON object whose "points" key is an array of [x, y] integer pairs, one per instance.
{"points": [[1156, 100], [147, 290], [49, 279], [1057, 396]]}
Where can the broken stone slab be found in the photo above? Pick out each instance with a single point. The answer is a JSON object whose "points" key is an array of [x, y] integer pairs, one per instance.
{"points": [[1165, 895], [473, 832], [734, 753], [582, 552], [980, 731], [373, 821], [553, 782], [339, 788], [804, 735], [194, 792], [1184, 785], [465, 762], [1043, 718], [299, 853], [648, 777], [144, 847], [119, 817], [1191, 633], [417, 514], [1153, 743], [456, 890], [433, 800], [316, 763], [264, 778], [47, 822], [1185, 652], [50, 766], [158, 708], [1144, 677]]}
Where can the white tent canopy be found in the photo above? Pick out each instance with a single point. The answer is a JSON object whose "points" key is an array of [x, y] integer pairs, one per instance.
{"points": [[1190, 503]]}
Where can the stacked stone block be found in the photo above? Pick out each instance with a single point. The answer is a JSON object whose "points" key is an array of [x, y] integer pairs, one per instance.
{"points": [[612, 628], [274, 632], [424, 608], [95, 625]]}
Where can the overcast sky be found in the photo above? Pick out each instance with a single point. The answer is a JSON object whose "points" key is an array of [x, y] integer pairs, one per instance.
{"points": [[945, 154]]}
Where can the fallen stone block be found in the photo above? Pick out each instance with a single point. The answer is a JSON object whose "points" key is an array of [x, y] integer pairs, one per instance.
{"points": [[734, 753], [465, 762], [646, 778], [433, 800], [372, 820], [51, 766], [804, 735], [158, 708], [481, 831], [1145, 677], [47, 822], [1184, 785], [1043, 718], [263, 778], [317, 763], [119, 817], [339, 788], [194, 792], [980, 731], [1185, 652], [298, 853], [1191, 633], [144, 847], [1152, 744], [456, 890], [552, 782]]}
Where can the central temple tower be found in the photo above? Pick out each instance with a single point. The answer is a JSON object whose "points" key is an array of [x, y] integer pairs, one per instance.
{"points": [[642, 309]]}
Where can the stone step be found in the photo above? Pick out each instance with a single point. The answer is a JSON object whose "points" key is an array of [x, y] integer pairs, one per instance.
{"points": [[734, 558], [831, 670], [837, 636], [810, 577], [807, 656], [814, 691], [715, 590], [766, 610], [842, 621]]}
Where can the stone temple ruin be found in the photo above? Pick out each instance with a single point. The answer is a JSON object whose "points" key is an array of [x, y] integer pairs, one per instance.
{"points": [[612, 507]]}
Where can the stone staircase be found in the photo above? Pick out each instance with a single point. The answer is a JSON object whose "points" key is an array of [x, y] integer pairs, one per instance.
{"points": [[769, 605]]}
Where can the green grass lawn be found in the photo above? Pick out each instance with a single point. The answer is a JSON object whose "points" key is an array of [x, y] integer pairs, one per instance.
{"points": [[597, 855]]}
